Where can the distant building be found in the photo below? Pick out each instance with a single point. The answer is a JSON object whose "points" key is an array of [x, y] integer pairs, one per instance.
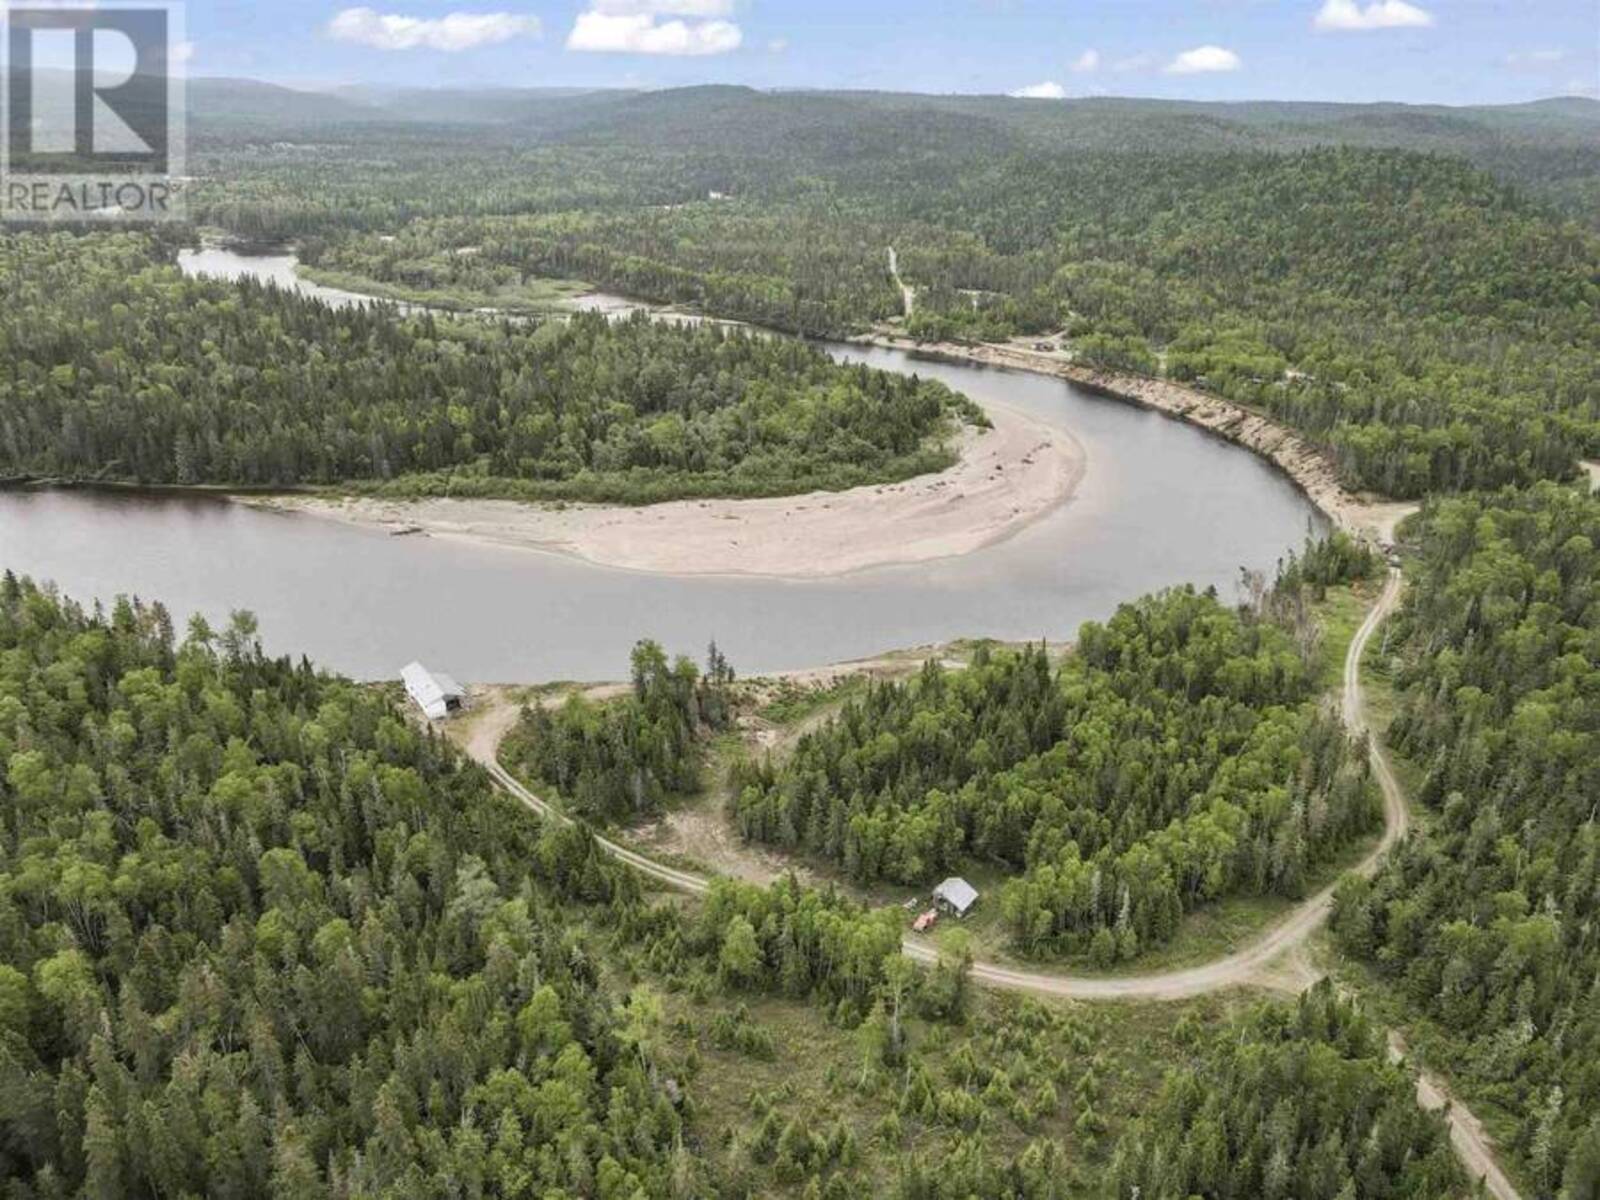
{"points": [[957, 895], [435, 694]]}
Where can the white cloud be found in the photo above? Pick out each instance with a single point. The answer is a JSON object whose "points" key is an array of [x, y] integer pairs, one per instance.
{"points": [[1049, 90], [1088, 61], [1376, 14], [182, 52], [640, 33], [777, 45], [1203, 59], [454, 31]]}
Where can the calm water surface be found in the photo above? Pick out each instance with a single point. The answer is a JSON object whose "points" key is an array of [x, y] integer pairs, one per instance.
{"points": [[1161, 503]]}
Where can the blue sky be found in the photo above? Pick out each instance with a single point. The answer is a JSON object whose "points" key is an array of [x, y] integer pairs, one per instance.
{"points": [[1437, 51]]}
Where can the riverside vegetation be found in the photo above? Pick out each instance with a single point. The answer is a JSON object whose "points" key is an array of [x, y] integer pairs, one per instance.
{"points": [[1414, 289], [120, 369]]}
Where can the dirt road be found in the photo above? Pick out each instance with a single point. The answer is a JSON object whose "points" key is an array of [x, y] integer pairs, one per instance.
{"points": [[1236, 969], [1245, 967], [1471, 1144], [906, 294]]}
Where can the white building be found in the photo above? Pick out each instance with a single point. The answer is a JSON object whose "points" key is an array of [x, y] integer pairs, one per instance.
{"points": [[956, 894], [435, 694]]}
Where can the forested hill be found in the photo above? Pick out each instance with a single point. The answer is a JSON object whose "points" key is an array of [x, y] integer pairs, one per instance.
{"points": [[119, 368], [1417, 289], [1550, 145]]}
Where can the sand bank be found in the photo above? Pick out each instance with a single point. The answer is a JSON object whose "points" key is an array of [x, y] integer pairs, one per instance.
{"points": [[1304, 463], [1007, 477]]}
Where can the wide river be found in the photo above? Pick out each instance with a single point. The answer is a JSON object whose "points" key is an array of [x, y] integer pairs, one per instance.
{"points": [[1161, 503]]}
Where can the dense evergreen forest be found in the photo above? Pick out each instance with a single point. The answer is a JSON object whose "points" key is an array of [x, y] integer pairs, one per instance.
{"points": [[1415, 288], [1177, 756], [262, 936], [621, 758], [119, 368], [1251, 1120], [259, 935], [1489, 927]]}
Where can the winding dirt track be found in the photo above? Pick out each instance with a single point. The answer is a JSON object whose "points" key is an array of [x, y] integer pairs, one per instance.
{"points": [[1246, 966], [1236, 969]]}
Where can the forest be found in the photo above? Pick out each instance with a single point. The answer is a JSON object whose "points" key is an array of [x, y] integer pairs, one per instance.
{"points": [[118, 368], [1416, 291], [1488, 929], [262, 936], [1176, 756], [623, 757]]}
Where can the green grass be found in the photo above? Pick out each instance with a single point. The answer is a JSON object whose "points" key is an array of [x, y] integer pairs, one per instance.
{"points": [[816, 1077], [793, 702], [1340, 614]]}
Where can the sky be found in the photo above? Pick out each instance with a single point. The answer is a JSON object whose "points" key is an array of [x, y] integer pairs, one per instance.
{"points": [[1420, 51]]}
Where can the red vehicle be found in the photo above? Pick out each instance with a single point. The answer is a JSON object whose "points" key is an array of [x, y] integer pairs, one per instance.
{"points": [[926, 921]]}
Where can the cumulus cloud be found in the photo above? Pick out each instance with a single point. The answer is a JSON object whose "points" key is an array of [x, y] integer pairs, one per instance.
{"points": [[641, 33], [693, 27], [1377, 14], [1202, 60], [454, 31], [1088, 61], [1048, 90]]}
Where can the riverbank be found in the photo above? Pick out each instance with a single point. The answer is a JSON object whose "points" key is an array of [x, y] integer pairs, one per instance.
{"points": [[1007, 478], [1310, 469]]}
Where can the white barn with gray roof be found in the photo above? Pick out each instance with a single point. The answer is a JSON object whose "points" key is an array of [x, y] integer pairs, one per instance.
{"points": [[435, 693]]}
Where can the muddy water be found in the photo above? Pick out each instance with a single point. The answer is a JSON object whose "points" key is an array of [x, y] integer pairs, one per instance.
{"points": [[1162, 503]]}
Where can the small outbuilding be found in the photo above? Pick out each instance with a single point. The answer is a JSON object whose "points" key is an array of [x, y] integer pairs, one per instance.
{"points": [[957, 895], [436, 694]]}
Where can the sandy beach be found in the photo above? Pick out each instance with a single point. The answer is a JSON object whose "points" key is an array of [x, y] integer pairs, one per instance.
{"points": [[1007, 478]]}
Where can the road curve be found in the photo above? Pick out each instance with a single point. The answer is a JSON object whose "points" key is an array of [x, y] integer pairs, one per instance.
{"points": [[1236, 969], [1467, 1137]]}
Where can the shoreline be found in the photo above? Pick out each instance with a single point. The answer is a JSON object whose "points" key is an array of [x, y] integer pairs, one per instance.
{"points": [[1006, 479], [1307, 466]]}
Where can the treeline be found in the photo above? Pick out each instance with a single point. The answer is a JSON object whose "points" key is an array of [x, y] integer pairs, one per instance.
{"points": [[118, 368], [622, 757], [802, 272], [1489, 926], [1254, 1118], [259, 936], [1176, 756], [1424, 321]]}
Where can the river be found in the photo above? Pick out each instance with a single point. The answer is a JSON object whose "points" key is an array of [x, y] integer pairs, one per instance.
{"points": [[1161, 503]]}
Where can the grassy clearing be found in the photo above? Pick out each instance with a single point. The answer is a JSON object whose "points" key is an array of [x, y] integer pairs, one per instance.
{"points": [[816, 1078], [1339, 615]]}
